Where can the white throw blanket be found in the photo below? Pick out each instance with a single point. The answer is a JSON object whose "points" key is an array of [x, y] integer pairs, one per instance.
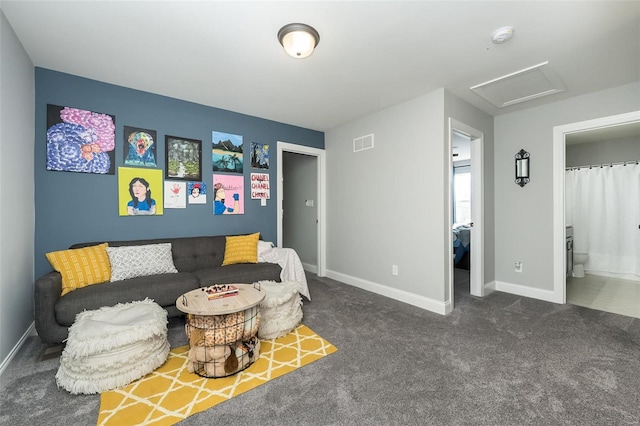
{"points": [[291, 265]]}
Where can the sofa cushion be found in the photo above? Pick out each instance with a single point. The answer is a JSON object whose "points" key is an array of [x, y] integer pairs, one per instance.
{"points": [[163, 289], [81, 267], [243, 273], [241, 249], [139, 261]]}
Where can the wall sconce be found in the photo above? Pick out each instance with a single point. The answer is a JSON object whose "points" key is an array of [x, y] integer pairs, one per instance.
{"points": [[298, 40], [522, 167]]}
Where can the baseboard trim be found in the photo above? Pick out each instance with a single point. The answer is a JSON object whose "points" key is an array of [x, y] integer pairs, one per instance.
{"points": [[521, 290], [422, 302], [310, 268], [5, 362], [489, 288]]}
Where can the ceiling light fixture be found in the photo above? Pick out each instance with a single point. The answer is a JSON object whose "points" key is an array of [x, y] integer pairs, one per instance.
{"points": [[502, 35], [298, 40]]}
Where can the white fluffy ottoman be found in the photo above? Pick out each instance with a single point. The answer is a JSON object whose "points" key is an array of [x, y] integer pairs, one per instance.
{"points": [[112, 346], [281, 309]]}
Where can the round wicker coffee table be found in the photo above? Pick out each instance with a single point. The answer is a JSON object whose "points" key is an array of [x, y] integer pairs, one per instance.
{"points": [[223, 331]]}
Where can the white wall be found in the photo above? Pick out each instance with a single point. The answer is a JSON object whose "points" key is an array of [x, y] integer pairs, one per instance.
{"points": [[385, 205], [606, 151], [17, 89], [299, 224], [524, 216]]}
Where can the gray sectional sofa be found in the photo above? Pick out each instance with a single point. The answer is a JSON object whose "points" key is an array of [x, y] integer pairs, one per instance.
{"points": [[197, 259]]}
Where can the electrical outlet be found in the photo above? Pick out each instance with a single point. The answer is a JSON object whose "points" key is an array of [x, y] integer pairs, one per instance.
{"points": [[394, 269], [518, 266]]}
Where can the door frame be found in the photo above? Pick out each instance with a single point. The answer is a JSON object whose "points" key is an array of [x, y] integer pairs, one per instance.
{"points": [[559, 220], [321, 229], [476, 273]]}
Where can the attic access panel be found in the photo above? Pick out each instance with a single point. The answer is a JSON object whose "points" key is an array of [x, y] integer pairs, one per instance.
{"points": [[520, 86]]}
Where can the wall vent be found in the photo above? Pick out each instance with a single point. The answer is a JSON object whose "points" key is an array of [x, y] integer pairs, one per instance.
{"points": [[363, 142]]}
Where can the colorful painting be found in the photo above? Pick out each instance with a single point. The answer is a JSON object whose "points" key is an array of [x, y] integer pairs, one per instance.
{"points": [[227, 152], [175, 195], [80, 141], [140, 192], [260, 186], [228, 194], [259, 155], [197, 193], [139, 147], [184, 158]]}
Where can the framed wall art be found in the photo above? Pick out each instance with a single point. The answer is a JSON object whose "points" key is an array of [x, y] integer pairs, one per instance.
{"points": [[197, 192], [140, 192], [227, 152], [183, 158], [139, 147], [80, 141], [259, 155], [228, 194]]}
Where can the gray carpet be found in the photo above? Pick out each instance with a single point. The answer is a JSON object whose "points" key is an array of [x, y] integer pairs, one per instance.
{"points": [[499, 360]]}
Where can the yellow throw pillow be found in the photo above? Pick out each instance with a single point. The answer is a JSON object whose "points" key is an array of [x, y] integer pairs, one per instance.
{"points": [[81, 267], [241, 249]]}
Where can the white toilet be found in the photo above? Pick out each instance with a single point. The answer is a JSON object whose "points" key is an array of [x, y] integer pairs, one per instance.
{"points": [[579, 259]]}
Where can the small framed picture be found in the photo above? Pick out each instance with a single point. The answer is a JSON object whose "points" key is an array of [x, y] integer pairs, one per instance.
{"points": [[183, 159]]}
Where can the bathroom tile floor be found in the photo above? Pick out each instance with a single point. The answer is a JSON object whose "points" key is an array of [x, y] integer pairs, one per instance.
{"points": [[607, 294]]}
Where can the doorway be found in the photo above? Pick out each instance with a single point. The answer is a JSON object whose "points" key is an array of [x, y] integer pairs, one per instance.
{"points": [[476, 224], [286, 154], [300, 206], [559, 164]]}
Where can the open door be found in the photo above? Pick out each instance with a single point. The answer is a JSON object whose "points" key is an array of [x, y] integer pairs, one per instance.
{"points": [[476, 224], [319, 154]]}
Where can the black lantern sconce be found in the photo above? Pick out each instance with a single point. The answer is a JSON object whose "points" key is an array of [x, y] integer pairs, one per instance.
{"points": [[522, 167]]}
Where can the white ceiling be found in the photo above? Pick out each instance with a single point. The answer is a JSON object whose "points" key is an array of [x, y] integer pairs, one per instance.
{"points": [[372, 54]]}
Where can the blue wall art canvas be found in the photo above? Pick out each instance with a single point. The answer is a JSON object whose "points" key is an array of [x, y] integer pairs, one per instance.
{"points": [[80, 141], [139, 147], [259, 155], [227, 152]]}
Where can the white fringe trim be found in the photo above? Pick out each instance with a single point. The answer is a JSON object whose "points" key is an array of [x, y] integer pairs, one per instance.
{"points": [[112, 327], [110, 347], [91, 383], [278, 293], [279, 319]]}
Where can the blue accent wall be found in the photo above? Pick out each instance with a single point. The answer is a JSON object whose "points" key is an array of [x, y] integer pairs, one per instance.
{"points": [[83, 207]]}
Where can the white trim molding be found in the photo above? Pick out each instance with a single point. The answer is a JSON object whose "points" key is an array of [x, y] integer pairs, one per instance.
{"points": [[5, 362], [320, 154], [526, 291], [436, 306]]}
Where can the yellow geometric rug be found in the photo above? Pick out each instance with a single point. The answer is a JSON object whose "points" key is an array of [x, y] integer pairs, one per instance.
{"points": [[170, 393]]}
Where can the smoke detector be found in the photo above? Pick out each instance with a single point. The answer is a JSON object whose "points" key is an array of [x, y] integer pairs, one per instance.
{"points": [[502, 35]]}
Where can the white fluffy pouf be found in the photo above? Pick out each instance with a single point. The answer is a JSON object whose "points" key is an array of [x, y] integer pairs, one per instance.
{"points": [[110, 347], [281, 309]]}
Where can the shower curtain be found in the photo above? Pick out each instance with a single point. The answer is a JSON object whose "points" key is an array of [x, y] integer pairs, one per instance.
{"points": [[603, 205]]}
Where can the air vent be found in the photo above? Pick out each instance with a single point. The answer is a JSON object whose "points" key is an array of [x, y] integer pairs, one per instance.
{"points": [[362, 143], [520, 86]]}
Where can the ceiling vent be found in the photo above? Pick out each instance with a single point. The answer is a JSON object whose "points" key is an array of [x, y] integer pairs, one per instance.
{"points": [[520, 86], [362, 143]]}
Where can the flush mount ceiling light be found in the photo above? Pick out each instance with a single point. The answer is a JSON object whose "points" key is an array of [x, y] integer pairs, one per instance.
{"points": [[502, 35], [298, 40]]}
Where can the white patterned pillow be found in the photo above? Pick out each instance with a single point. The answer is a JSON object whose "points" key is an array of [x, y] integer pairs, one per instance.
{"points": [[139, 261]]}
